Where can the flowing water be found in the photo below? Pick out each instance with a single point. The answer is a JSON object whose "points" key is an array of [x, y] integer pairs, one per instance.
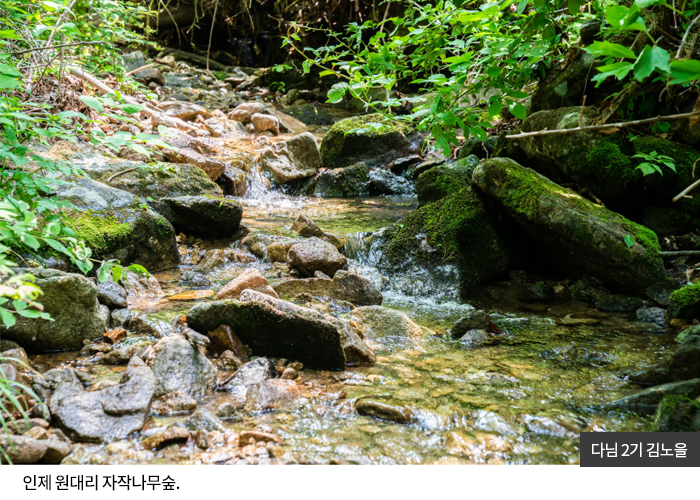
{"points": [[524, 399]]}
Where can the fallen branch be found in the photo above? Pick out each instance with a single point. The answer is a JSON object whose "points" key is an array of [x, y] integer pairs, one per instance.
{"points": [[99, 85], [679, 253], [20, 52], [121, 173], [687, 190], [139, 69], [685, 37], [591, 128]]}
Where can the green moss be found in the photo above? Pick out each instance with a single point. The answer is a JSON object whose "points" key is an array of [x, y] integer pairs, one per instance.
{"points": [[686, 296], [459, 231], [102, 231], [606, 160], [443, 180]]}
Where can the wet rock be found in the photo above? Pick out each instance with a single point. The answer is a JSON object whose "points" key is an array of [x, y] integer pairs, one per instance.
{"points": [[263, 123], [107, 414], [180, 366], [582, 237], [169, 436], [647, 399], [295, 158], [273, 327], [343, 182], [21, 449], [201, 439], [221, 127], [71, 300], [173, 403], [356, 139], [651, 315], [204, 419], [278, 251], [213, 259], [604, 300], [142, 323], [111, 294], [275, 394], [137, 285], [378, 322], [442, 180], [445, 247], [253, 372], [212, 167], [475, 147], [476, 319], [313, 255], [228, 361], [304, 226], [244, 112], [204, 216], [225, 338], [250, 437], [186, 111], [385, 183], [233, 182], [257, 244], [682, 364], [250, 279], [56, 451], [115, 335], [677, 414], [385, 410], [343, 286], [576, 355]]}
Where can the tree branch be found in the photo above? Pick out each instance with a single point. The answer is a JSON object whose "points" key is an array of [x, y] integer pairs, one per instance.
{"points": [[52, 47], [591, 128], [685, 37]]}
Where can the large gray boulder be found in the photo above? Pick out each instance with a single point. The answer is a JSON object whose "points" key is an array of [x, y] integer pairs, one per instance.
{"points": [[361, 139], [179, 365], [116, 224], [71, 300], [292, 159], [108, 414], [582, 238], [276, 328], [203, 215]]}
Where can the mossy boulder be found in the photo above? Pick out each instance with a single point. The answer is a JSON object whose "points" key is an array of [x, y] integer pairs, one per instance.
{"points": [[442, 180], [582, 238], [685, 303], [116, 224], [605, 165], [456, 231], [682, 364], [204, 216], [677, 413], [71, 300], [372, 139]]}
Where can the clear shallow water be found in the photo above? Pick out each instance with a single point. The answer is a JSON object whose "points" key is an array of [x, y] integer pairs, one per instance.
{"points": [[522, 400]]}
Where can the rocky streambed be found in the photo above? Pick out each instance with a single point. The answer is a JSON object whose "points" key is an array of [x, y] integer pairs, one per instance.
{"points": [[349, 303]]}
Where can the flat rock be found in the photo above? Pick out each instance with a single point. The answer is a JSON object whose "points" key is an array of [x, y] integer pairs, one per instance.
{"points": [[204, 216], [174, 402], [167, 437], [344, 286], [250, 279]]}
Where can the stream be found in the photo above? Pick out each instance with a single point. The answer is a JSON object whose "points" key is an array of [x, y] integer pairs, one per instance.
{"points": [[521, 400]]}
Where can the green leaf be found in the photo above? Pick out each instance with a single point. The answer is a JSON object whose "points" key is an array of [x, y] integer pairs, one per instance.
{"points": [[495, 108], [336, 93], [518, 110], [117, 273], [104, 273], [610, 49], [619, 70], [30, 241], [130, 108], [651, 59], [7, 317], [575, 6], [6, 69], [92, 102], [57, 245], [644, 4], [628, 241], [7, 82], [684, 71]]}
